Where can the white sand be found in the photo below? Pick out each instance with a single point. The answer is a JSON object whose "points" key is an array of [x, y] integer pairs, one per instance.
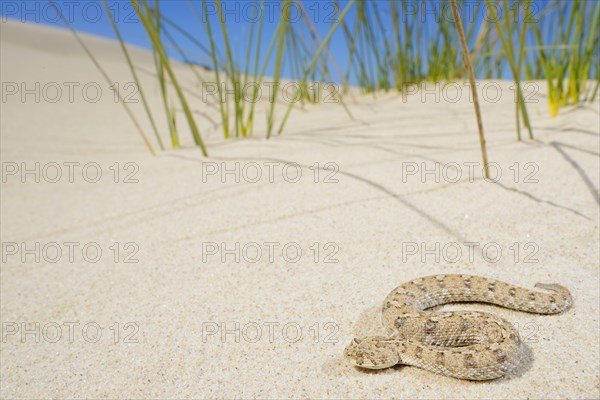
{"points": [[171, 294]]}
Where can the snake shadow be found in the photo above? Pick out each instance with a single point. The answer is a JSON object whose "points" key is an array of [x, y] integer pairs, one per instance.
{"points": [[369, 324]]}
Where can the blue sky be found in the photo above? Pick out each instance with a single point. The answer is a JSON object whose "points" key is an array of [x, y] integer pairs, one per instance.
{"points": [[90, 17]]}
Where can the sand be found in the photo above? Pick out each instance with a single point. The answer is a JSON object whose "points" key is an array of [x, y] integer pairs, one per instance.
{"points": [[181, 322]]}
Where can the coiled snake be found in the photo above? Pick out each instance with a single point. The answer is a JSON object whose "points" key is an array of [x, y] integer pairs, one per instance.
{"points": [[462, 344]]}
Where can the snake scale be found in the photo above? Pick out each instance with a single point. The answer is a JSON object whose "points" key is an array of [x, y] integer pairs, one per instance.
{"points": [[462, 344]]}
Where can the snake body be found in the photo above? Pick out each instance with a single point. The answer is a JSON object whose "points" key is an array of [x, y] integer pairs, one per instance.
{"points": [[462, 344]]}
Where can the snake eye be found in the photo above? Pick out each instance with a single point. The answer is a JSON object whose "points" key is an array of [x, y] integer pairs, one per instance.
{"points": [[357, 341]]}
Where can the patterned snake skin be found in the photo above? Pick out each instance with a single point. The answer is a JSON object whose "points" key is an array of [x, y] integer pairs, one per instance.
{"points": [[462, 344]]}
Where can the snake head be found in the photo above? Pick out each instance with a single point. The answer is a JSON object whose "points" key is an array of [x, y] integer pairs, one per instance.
{"points": [[373, 352]]}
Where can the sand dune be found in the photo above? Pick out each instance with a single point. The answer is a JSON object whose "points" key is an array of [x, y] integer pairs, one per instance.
{"points": [[180, 317]]}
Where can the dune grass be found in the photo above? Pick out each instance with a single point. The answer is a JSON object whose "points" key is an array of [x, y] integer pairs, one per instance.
{"points": [[133, 73], [389, 46], [160, 72], [506, 32], [570, 52], [107, 78], [145, 14], [469, 67]]}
